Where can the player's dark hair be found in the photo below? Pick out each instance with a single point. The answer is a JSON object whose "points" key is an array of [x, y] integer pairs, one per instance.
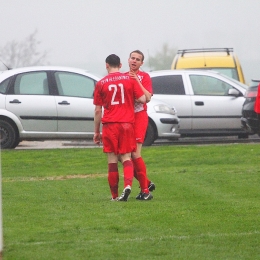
{"points": [[139, 52], [113, 60]]}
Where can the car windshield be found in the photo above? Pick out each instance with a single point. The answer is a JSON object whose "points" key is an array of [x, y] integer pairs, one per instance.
{"points": [[230, 72], [3, 86], [244, 86], [255, 83]]}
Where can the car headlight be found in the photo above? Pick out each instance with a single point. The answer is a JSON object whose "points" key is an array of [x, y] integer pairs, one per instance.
{"points": [[164, 109]]}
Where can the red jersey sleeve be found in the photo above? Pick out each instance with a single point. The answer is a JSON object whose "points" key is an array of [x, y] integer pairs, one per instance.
{"points": [[97, 96], [146, 81]]}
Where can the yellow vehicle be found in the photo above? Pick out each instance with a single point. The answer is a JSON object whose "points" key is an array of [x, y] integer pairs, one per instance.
{"points": [[223, 60]]}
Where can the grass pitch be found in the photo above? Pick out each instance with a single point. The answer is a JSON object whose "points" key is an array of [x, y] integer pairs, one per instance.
{"points": [[206, 205]]}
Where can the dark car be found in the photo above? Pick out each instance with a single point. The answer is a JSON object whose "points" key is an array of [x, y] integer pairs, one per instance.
{"points": [[250, 119]]}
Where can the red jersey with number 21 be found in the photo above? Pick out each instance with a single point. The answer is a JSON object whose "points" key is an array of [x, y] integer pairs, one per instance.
{"points": [[117, 92]]}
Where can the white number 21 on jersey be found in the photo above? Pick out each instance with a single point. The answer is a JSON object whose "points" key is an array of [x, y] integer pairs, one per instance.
{"points": [[115, 88]]}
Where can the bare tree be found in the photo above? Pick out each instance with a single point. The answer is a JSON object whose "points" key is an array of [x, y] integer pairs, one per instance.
{"points": [[19, 54], [162, 59]]}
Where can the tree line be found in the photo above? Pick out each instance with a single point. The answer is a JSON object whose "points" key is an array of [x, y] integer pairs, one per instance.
{"points": [[15, 54]]}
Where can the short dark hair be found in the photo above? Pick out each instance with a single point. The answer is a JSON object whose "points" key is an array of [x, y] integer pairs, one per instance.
{"points": [[139, 52], [113, 60]]}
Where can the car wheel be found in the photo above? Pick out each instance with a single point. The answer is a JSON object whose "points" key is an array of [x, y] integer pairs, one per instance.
{"points": [[8, 136], [243, 136], [150, 135]]}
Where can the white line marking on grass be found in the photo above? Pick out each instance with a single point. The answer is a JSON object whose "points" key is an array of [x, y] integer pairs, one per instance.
{"points": [[54, 178], [242, 234]]}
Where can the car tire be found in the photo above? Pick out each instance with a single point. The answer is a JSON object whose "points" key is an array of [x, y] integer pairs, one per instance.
{"points": [[243, 136], [8, 136], [150, 135]]}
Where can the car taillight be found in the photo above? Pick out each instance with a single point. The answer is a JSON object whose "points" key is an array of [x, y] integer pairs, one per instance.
{"points": [[251, 93]]}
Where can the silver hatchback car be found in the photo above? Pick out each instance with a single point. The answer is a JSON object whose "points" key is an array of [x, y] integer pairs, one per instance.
{"points": [[208, 103], [49, 103]]}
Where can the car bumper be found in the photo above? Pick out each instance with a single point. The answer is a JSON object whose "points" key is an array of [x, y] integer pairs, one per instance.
{"points": [[167, 126], [251, 125]]}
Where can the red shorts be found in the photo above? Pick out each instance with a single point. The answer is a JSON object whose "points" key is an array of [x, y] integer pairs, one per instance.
{"points": [[141, 123], [118, 138]]}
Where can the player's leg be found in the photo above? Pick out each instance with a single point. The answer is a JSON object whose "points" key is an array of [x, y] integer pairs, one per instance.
{"points": [[126, 145], [110, 142], [113, 175], [141, 122], [128, 170], [140, 168]]}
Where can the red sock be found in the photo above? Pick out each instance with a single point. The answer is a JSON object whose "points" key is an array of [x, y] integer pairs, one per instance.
{"points": [[128, 172], [135, 174], [140, 169], [113, 179]]}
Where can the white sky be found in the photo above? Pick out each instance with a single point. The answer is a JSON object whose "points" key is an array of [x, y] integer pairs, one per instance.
{"points": [[82, 33]]}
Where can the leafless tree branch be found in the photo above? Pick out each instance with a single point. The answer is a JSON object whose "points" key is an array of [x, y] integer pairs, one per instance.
{"points": [[25, 53]]}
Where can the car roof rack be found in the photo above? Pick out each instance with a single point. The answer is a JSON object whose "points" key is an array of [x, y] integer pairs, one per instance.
{"points": [[227, 50], [255, 80]]}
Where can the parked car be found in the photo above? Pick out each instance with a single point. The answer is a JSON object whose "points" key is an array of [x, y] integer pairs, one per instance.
{"points": [[250, 119], [45, 103], [223, 60], [207, 102]]}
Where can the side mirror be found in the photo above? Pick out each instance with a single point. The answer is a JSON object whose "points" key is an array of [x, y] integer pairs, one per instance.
{"points": [[233, 92]]}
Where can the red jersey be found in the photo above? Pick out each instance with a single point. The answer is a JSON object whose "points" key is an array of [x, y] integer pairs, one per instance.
{"points": [[147, 84], [117, 92], [257, 101]]}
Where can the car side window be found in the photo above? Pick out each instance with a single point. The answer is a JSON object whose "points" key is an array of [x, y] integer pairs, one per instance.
{"points": [[4, 85], [33, 83], [74, 85], [168, 85], [209, 86]]}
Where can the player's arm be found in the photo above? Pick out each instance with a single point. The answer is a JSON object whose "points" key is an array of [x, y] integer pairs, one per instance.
{"points": [[147, 94], [138, 93], [97, 122], [141, 99]]}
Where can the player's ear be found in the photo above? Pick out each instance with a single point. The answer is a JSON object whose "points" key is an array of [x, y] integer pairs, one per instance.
{"points": [[120, 66]]}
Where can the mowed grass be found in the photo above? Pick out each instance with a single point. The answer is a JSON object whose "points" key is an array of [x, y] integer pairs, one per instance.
{"points": [[206, 205]]}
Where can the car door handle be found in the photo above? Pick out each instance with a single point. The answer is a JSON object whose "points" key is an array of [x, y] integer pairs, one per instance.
{"points": [[64, 103], [15, 101], [199, 103]]}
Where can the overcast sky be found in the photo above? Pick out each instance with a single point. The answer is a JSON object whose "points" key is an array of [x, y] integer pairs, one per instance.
{"points": [[82, 33]]}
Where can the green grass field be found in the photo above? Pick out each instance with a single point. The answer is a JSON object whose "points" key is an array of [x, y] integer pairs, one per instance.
{"points": [[206, 205]]}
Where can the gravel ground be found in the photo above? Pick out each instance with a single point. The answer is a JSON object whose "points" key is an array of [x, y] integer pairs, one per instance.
{"points": [[89, 143], [54, 144]]}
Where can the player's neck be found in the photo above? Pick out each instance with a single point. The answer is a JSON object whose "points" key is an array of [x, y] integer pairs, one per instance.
{"points": [[113, 70], [136, 71]]}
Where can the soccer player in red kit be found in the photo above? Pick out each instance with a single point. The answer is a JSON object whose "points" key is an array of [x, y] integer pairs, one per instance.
{"points": [[257, 101], [116, 94], [135, 61]]}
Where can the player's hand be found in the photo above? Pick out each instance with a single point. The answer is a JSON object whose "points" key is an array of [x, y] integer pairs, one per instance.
{"points": [[133, 75], [97, 138]]}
